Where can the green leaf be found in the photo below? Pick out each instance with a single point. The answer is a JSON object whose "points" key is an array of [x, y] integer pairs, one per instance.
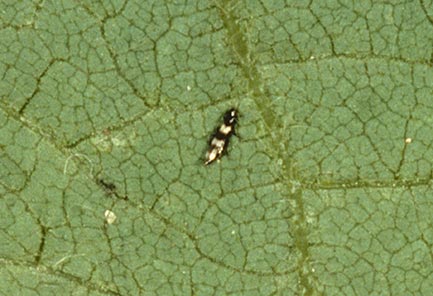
{"points": [[106, 110]]}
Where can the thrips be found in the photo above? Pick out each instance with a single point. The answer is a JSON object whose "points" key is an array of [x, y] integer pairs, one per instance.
{"points": [[220, 139]]}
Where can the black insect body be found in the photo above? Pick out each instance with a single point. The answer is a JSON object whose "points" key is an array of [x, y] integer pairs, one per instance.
{"points": [[108, 187], [220, 139]]}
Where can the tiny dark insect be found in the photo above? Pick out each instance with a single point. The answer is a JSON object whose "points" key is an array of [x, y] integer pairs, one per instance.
{"points": [[219, 141], [107, 186], [110, 189]]}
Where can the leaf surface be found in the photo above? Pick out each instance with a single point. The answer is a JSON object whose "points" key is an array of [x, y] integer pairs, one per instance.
{"points": [[105, 114]]}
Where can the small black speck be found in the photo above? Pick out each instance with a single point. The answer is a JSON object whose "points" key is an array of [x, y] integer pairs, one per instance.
{"points": [[107, 186]]}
